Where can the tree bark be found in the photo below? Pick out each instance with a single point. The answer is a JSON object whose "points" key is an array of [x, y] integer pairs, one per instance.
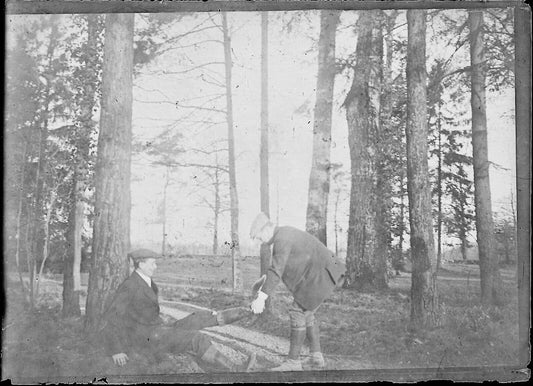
{"points": [[37, 236], [402, 220], [484, 222], [366, 259], [72, 267], [46, 249], [19, 217], [71, 298], [164, 209], [234, 200], [522, 31], [439, 191], [418, 185], [111, 232], [264, 252], [335, 222], [216, 209], [317, 204]]}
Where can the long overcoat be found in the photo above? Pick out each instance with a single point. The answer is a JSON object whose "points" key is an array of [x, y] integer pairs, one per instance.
{"points": [[309, 270], [132, 316]]}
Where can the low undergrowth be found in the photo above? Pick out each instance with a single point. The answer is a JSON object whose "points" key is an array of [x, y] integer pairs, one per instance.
{"points": [[370, 326], [374, 326]]}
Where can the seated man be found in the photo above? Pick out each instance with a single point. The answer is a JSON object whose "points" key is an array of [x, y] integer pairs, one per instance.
{"points": [[133, 323]]}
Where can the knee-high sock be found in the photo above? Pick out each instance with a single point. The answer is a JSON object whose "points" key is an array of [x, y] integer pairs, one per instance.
{"points": [[296, 342]]}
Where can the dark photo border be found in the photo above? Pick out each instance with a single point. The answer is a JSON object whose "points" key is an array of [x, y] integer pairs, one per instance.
{"points": [[518, 372]]}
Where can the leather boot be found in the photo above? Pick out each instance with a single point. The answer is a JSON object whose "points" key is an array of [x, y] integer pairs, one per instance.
{"points": [[231, 315], [316, 359], [214, 356], [293, 362]]}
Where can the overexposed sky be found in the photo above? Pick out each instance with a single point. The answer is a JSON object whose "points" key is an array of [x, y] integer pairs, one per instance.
{"points": [[292, 80]]}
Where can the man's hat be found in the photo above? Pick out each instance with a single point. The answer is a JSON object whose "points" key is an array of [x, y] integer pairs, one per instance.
{"points": [[142, 254], [258, 224]]}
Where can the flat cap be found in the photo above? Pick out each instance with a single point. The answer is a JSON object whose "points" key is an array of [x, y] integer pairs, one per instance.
{"points": [[141, 254], [261, 220]]}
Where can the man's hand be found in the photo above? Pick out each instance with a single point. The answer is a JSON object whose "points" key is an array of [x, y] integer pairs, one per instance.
{"points": [[120, 359], [258, 305]]}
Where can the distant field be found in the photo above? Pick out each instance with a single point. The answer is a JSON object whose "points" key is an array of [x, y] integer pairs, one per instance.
{"points": [[215, 272], [206, 271]]}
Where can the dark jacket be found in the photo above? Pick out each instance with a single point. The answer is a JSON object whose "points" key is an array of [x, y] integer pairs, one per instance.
{"points": [[132, 316], [308, 269]]}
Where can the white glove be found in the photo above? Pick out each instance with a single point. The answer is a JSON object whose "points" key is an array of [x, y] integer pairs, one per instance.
{"points": [[120, 359], [258, 305]]}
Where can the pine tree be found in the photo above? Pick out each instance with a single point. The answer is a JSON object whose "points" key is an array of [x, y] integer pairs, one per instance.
{"points": [[111, 243]]}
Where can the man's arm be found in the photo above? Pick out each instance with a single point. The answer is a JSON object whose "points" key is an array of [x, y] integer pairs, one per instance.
{"points": [[280, 254], [116, 338]]}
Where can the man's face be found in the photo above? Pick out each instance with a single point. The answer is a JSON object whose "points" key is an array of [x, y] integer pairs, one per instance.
{"points": [[148, 267], [265, 235]]}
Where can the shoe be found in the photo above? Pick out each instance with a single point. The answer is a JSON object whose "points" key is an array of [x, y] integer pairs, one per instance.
{"points": [[289, 365], [231, 315], [315, 360]]}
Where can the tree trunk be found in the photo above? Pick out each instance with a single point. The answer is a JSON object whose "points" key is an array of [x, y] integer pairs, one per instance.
{"points": [[46, 249], [264, 251], [484, 222], [164, 208], [386, 173], [418, 185], [216, 209], [464, 241], [71, 298], [317, 204], [402, 220], [234, 200], [366, 251], [439, 192], [19, 217], [72, 268], [335, 222], [111, 232], [38, 232], [522, 38]]}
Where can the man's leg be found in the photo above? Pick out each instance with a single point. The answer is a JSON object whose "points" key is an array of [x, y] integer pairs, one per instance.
{"points": [[313, 335], [297, 338], [204, 349], [202, 319], [170, 339]]}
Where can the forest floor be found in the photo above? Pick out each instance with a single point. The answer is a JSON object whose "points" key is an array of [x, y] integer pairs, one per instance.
{"points": [[359, 330]]}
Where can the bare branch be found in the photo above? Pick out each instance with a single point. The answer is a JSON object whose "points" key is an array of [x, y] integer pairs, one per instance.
{"points": [[190, 165], [200, 108], [152, 90], [181, 46], [215, 23], [190, 32], [165, 72], [154, 102], [458, 71], [212, 83], [207, 151]]}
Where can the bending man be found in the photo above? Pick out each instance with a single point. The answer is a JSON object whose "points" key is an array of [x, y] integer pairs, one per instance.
{"points": [[309, 271]]}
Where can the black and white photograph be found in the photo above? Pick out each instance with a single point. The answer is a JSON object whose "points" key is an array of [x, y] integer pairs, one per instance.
{"points": [[292, 191]]}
